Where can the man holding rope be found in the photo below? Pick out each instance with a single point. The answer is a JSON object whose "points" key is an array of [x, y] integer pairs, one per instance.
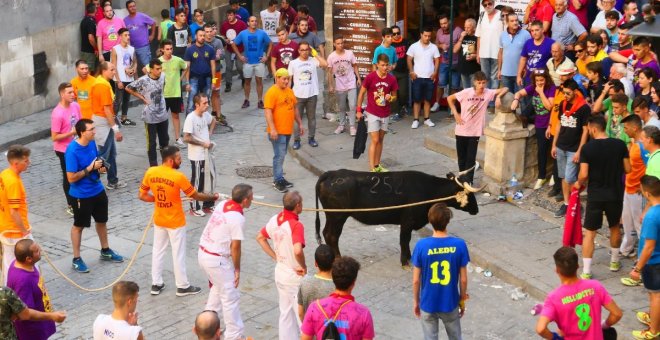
{"points": [[14, 223], [166, 184]]}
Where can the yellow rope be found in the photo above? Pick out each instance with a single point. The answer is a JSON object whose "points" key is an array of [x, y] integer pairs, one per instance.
{"points": [[461, 197], [130, 263]]}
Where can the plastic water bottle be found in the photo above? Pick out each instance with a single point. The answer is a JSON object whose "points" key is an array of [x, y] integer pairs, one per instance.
{"points": [[513, 187]]}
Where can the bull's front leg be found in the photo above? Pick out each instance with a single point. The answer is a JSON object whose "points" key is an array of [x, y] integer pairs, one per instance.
{"points": [[404, 241]]}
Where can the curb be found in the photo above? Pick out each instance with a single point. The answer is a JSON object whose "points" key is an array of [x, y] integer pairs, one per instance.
{"points": [[477, 256], [32, 137]]}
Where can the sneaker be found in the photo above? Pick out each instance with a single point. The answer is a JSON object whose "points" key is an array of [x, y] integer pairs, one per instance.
{"points": [[435, 107], [261, 104], [287, 183], [396, 117], [415, 124], [80, 266], [562, 211], [376, 169], [156, 289], [111, 256], [428, 122], [221, 119], [69, 210], [645, 334], [118, 185], [353, 131], [539, 184], [280, 186], [246, 104], [630, 255], [560, 197], [127, 122], [586, 276], [191, 290], [379, 168], [339, 129], [644, 318], [179, 142], [208, 210], [228, 88], [551, 182], [615, 266], [630, 282], [554, 192], [312, 142], [198, 213], [296, 144]]}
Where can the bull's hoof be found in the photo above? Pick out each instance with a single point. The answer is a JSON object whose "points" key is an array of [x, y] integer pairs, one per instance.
{"points": [[406, 267]]}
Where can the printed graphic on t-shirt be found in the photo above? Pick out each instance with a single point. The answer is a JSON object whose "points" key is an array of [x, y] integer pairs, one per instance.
{"points": [[112, 33], [83, 95], [570, 122], [127, 60], [533, 58], [252, 43], [181, 38]]}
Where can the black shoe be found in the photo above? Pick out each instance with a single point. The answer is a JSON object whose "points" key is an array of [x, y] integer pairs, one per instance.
{"points": [[287, 183], [561, 212], [559, 197], [228, 88], [156, 289], [554, 192], [191, 290], [280, 186]]}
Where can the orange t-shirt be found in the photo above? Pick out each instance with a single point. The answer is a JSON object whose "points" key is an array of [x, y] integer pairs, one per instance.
{"points": [[12, 196], [82, 90], [101, 96], [166, 185], [554, 114], [637, 169], [283, 103]]}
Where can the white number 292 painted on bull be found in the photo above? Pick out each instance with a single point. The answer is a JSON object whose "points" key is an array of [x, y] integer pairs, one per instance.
{"points": [[446, 275]]}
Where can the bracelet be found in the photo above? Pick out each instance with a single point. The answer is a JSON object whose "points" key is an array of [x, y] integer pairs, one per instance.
{"points": [[516, 99], [86, 172], [635, 269]]}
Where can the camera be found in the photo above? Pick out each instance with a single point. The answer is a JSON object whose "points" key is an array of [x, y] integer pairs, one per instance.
{"points": [[104, 163]]}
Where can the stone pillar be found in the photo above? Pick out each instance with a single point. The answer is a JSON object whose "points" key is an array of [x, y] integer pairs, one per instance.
{"points": [[506, 148]]}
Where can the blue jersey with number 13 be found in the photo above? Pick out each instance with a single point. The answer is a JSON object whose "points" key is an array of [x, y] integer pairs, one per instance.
{"points": [[440, 260]]}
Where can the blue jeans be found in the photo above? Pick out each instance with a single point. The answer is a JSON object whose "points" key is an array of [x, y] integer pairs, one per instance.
{"points": [[566, 169], [489, 67], [109, 153], [279, 151], [197, 85], [510, 83], [444, 77], [451, 320], [143, 55], [466, 80]]}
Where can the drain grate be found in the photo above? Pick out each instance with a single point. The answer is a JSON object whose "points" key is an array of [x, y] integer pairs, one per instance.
{"points": [[260, 171]]}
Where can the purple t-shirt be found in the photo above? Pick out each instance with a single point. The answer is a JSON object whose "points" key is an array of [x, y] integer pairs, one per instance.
{"points": [[639, 66], [61, 121], [537, 56], [377, 89], [542, 114], [354, 321], [29, 286], [139, 28]]}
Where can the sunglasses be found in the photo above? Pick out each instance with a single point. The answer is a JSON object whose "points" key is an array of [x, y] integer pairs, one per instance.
{"points": [[535, 72], [579, 51], [396, 33], [568, 93], [488, 4]]}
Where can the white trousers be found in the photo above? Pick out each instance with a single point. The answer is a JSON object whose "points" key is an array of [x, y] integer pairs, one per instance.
{"points": [[632, 209], [8, 257], [288, 283], [177, 238], [223, 295]]}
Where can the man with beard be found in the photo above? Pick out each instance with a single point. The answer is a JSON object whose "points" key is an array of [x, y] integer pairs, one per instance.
{"points": [[166, 184]]}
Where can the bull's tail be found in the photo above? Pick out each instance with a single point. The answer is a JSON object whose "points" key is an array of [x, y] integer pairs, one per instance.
{"points": [[318, 219]]}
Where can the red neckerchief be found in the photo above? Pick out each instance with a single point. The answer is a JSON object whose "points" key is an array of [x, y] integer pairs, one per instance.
{"points": [[577, 104], [345, 297], [232, 206], [397, 41], [285, 216]]}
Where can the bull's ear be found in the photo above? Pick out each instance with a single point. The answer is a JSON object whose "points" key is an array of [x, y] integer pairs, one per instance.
{"points": [[451, 176]]}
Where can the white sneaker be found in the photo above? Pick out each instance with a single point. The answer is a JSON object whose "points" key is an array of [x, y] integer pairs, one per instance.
{"points": [[179, 142], [539, 184], [435, 107], [551, 182], [339, 129], [415, 124], [428, 122]]}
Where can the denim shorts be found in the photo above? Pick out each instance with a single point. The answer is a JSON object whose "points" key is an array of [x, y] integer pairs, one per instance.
{"points": [[422, 89], [444, 77], [566, 169]]}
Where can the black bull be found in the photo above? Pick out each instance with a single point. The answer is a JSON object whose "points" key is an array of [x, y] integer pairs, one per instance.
{"points": [[346, 189]]}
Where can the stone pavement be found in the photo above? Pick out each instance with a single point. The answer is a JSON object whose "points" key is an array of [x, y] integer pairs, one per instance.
{"points": [[514, 242]]}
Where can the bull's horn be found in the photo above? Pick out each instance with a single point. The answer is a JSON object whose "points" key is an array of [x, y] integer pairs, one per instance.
{"points": [[475, 167], [469, 188]]}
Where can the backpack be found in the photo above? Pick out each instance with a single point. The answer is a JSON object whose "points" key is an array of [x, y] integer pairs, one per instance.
{"points": [[331, 331]]}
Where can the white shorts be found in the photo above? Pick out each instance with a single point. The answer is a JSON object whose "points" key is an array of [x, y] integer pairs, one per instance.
{"points": [[254, 70], [375, 123]]}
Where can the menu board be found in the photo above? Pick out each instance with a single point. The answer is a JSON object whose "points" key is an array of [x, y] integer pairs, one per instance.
{"points": [[360, 23]]}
